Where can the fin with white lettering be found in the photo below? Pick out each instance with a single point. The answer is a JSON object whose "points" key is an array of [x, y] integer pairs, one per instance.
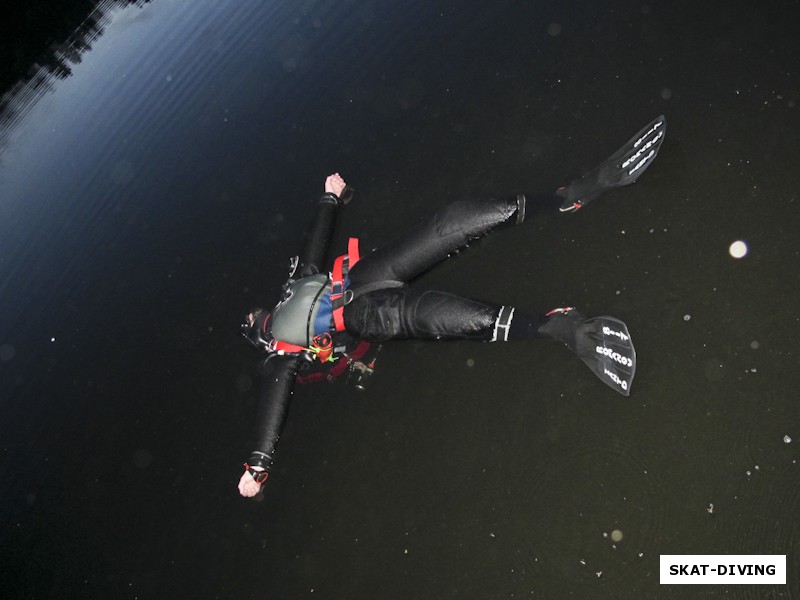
{"points": [[621, 168], [603, 343]]}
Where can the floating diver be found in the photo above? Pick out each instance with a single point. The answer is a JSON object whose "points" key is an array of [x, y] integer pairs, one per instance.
{"points": [[326, 318]]}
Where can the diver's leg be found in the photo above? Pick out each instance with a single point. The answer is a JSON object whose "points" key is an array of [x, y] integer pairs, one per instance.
{"points": [[406, 313], [448, 230], [603, 343]]}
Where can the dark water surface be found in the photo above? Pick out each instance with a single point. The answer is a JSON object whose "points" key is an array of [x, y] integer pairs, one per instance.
{"points": [[153, 195]]}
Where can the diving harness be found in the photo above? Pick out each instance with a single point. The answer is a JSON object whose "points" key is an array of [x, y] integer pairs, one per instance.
{"points": [[289, 329]]}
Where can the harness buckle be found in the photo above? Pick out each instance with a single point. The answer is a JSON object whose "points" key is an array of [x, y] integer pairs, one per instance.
{"points": [[337, 289]]}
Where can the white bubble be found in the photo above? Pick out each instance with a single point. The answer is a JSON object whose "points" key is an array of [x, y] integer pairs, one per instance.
{"points": [[666, 93], [687, 317], [470, 362], [787, 439], [737, 249], [616, 535], [754, 344]]}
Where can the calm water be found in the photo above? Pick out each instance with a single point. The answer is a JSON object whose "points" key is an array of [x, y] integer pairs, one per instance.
{"points": [[152, 196]]}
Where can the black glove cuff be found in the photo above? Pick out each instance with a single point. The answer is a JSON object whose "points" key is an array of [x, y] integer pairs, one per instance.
{"points": [[261, 460], [331, 198]]}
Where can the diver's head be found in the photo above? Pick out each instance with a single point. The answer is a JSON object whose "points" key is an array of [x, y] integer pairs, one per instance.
{"points": [[256, 328]]}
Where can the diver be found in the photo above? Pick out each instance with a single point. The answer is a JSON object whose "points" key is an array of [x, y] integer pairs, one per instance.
{"points": [[366, 296]]}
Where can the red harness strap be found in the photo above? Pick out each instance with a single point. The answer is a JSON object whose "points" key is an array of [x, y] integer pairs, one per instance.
{"points": [[341, 266], [287, 347]]}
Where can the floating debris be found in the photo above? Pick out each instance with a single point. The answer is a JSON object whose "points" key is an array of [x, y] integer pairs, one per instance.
{"points": [[710, 509]]}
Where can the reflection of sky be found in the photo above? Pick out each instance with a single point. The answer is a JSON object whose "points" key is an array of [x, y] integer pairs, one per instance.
{"points": [[111, 87], [63, 146], [114, 138]]}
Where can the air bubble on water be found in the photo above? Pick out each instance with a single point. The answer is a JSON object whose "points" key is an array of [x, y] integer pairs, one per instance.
{"points": [[687, 317], [787, 439], [738, 249]]}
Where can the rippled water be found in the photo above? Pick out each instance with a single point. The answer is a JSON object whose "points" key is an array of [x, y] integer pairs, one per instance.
{"points": [[154, 194]]}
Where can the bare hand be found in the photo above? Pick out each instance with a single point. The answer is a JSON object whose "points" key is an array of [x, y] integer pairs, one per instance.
{"points": [[248, 487], [334, 184]]}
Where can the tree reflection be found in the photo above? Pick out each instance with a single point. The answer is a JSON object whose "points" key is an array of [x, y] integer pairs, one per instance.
{"points": [[45, 41]]}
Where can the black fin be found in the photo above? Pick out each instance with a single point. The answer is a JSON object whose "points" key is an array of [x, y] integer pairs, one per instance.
{"points": [[605, 345], [621, 168]]}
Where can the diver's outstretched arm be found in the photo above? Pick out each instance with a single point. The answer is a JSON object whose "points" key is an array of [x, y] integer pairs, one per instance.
{"points": [[273, 401], [318, 237]]}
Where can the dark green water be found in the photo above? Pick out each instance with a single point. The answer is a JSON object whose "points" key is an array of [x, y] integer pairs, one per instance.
{"points": [[151, 197]]}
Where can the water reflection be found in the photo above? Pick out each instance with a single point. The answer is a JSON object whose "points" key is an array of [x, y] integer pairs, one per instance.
{"points": [[50, 64]]}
